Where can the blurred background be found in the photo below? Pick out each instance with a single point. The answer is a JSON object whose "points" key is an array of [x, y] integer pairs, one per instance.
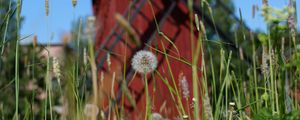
{"points": [[53, 79], [62, 15]]}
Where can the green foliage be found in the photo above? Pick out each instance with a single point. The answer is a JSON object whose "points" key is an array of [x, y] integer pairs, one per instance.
{"points": [[268, 96], [266, 114], [8, 20], [263, 38]]}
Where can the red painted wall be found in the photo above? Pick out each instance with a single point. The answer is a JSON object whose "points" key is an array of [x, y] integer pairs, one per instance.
{"points": [[176, 27]]}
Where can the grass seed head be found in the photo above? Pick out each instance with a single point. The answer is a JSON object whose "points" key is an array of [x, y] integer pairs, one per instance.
{"points": [[74, 3], [47, 7], [56, 69], [185, 87]]}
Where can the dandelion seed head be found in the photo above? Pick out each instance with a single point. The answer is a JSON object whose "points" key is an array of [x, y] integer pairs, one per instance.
{"points": [[144, 62]]}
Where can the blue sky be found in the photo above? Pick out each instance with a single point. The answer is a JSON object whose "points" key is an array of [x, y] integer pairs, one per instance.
{"points": [[257, 22], [61, 15], [59, 21]]}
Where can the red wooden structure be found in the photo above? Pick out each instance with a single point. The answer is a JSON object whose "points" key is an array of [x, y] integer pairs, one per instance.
{"points": [[173, 20]]}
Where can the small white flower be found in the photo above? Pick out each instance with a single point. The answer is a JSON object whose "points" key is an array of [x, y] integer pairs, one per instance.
{"points": [[144, 62], [194, 100], [91, 110], [185, 117], [156, 116], [62, 110]]}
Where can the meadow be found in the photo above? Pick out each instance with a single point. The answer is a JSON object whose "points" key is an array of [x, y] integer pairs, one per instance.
{"points": [[258, 79]]}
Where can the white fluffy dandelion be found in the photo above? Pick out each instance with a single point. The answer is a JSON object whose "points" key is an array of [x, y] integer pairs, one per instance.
{"points": [[144, 62]]}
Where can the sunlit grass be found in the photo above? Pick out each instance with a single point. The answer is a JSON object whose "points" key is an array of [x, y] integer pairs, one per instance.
{"points": [[229, 87]]}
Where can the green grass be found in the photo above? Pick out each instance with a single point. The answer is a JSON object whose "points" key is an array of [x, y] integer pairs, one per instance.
{"points": [[263, 88], [17, 83]]}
